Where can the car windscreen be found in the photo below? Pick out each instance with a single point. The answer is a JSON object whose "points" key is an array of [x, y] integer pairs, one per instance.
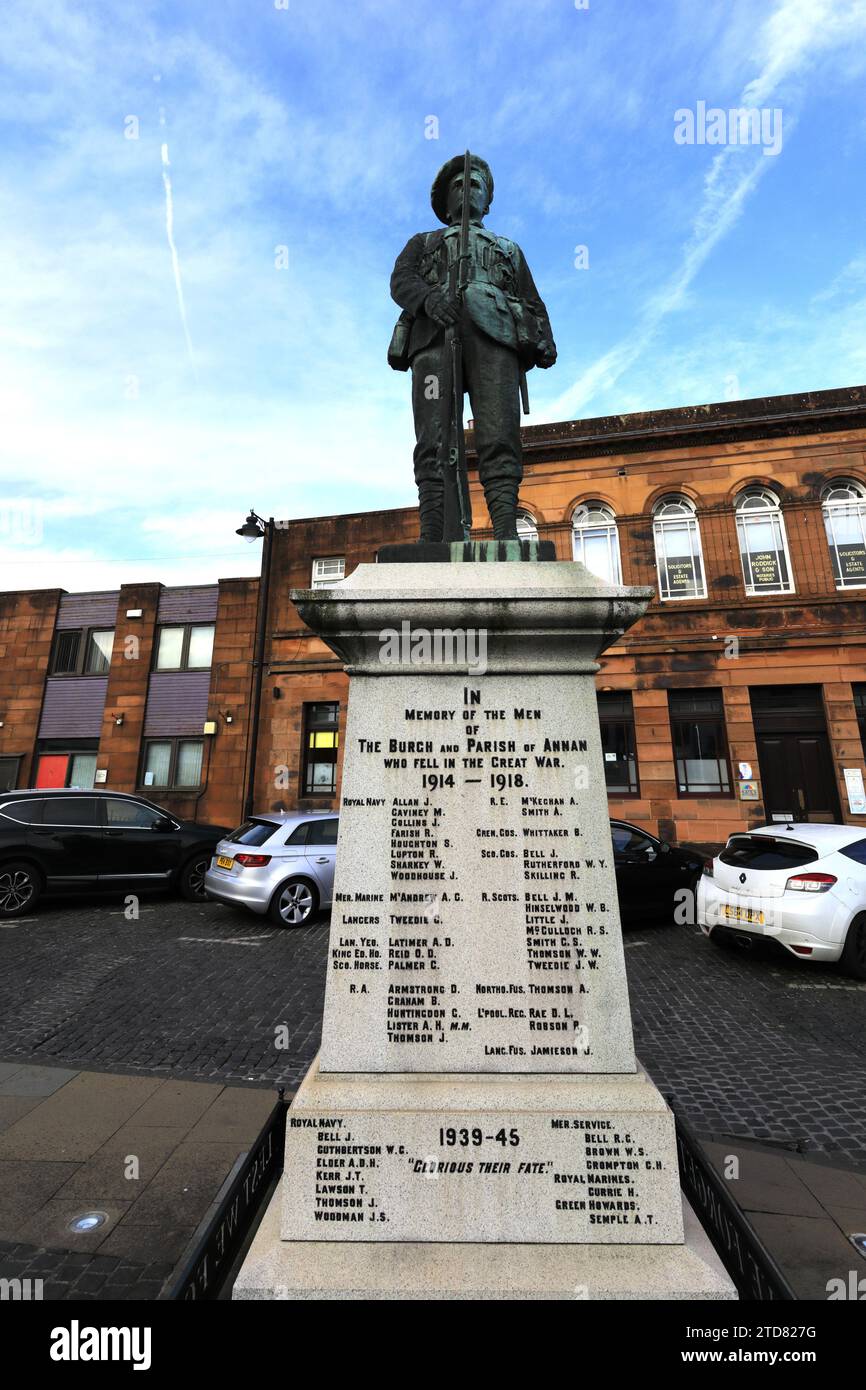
{"points": [[253, 832], [763, 852]]}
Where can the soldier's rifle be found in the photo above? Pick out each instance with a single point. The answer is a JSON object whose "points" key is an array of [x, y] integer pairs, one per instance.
{"points": [[458, 507]]}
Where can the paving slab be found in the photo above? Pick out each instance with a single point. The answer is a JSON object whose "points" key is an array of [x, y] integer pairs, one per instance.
{"points": [[810, 1251], [765, 1182], [35, 1081], [59, 1159], [13, 1108], [75, 1120], [170, 1204], [830, 1184], [8, 1069], [233, 1114], [106, 1176], [179, 1103], [850, 1220], [192, 1159], [151, 1143], [146, 1242], [25, 1186]]}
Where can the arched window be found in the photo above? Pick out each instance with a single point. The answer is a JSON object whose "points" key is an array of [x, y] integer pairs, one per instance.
{"points": [[844, 506], [526, 527], [679, 560], [763, 544], [595, 541]]}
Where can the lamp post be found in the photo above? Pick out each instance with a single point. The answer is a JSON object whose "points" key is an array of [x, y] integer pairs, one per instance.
{"points": [[256, 528]]}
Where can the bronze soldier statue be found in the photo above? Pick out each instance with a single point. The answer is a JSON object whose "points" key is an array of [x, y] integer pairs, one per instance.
{"points": [[490, 304]]}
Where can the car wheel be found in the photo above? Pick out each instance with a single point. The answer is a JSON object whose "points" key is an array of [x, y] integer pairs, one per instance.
{"points": [[854, 955], [20, 889], [192, 878], [294, 904]]}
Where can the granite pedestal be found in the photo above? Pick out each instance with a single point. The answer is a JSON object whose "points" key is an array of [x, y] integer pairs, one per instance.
{"points": [[476, 1125]]}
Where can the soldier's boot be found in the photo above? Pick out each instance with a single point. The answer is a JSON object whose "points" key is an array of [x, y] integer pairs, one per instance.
{"points": [[501, 497], [431, 505]]}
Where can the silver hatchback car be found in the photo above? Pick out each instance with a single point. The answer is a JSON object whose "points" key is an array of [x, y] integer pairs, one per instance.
{"points": [[280, 863]]}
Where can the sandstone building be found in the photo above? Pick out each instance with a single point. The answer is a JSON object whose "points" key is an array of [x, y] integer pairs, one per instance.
{"points": [[739, 697]]}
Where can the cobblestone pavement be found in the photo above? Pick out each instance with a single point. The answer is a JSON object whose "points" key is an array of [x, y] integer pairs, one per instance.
{"points": [[195, 992], [752, 1046], [744, 1046], [67, 1274]]}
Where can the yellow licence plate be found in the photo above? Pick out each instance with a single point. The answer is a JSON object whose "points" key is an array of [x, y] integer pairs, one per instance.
{"points": [[223, 862], [744, 914]]}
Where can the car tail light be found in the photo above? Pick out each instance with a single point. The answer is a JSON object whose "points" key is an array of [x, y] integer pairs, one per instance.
{"points": [[802, 950], [810, 883], [708, 868], [258, 861]]}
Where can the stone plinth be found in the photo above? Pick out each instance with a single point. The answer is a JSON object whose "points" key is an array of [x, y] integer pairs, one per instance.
{"points": [[477, 1087]]}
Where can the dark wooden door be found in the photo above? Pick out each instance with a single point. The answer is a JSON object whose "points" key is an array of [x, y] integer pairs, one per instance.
{"points": [[797, 777]]}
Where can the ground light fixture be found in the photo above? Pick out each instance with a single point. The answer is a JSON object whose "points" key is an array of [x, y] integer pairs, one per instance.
{"points": [[88, 1221]]}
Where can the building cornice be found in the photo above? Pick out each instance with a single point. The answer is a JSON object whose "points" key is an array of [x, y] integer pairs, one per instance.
{"points": [[720, 422]]}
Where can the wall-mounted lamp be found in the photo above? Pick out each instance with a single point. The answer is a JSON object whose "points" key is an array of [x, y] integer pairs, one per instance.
{"points": [[133, 612], [277, 693], [227, 715], [118, 719]]}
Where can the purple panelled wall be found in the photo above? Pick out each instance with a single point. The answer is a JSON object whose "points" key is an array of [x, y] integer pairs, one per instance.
{"points": [[176, 703], [196, 604], [73, 706], [88, 610]]}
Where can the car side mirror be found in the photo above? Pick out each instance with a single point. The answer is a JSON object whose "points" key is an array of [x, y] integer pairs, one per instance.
{"points": [[664, 847], [165, 824]]}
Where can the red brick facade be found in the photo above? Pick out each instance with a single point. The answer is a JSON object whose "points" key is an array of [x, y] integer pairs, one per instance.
{"points": [[728, 642]]}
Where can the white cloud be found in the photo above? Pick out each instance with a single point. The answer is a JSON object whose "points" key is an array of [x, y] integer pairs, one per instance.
{"points": [[787, 45]]}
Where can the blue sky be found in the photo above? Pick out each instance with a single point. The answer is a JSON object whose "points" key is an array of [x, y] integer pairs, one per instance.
{"points": [[160, 372]]}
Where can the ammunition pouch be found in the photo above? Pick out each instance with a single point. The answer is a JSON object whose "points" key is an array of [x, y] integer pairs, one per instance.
{"points": [[398, 348]]}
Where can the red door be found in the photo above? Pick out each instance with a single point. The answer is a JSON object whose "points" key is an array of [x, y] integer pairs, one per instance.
{"points": [[52, 770]]}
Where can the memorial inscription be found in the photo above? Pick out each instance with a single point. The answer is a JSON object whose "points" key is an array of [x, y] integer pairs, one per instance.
{"points": [[485, 937], [479, 1176]]}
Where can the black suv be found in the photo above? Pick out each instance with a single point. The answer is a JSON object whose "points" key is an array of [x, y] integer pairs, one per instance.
{"points": [[68, 841]]}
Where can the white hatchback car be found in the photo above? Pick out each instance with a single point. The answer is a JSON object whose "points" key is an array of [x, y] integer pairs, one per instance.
{"points": [[801, 886]]}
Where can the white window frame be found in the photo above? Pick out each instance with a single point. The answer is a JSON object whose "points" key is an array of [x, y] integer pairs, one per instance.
{"points": [[583, 524], [527, 527], [327, 571], [769, 509], [854, 503], [685, 510]]}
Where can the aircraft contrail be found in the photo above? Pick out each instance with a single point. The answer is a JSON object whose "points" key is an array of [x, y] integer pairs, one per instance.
{"points": [[169, 231]]}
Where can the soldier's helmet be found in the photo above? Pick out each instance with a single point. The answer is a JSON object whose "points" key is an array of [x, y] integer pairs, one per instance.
{"points": [[439, 191]]}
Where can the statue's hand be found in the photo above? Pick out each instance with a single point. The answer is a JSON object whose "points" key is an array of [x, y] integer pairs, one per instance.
{"points": [[441, 308], [545, 353]]}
